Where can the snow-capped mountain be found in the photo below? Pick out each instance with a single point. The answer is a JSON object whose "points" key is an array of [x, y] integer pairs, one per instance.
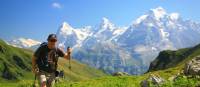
{"points": [[131, 48], [156, 31], [23, 42], [68, 36], [105, 31]]}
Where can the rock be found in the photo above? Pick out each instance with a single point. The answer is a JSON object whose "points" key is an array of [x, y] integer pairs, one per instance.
{"points": [[120, 74], [144, 83], [192, 67], [155, 80]]}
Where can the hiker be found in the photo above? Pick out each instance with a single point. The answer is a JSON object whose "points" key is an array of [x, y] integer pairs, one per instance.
{"points": [[44, 61]]}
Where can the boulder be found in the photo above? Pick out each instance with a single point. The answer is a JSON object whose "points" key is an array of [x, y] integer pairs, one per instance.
{"points": [[144, 83], [193, 67], [154, 79], [120, 74]]}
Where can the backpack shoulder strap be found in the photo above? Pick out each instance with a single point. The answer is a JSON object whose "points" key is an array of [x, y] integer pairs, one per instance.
{"points": [[43, 44], [56, 57]]}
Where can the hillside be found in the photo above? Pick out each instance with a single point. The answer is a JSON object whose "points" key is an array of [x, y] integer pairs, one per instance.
{"points": [[168, 59], [78, 70], [15, 65]]}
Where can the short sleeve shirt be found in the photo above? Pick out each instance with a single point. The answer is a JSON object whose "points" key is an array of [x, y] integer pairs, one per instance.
{"points": [[43, 56]]}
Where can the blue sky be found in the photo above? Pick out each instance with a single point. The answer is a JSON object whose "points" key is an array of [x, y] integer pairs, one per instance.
{"points": [[37, 18]]}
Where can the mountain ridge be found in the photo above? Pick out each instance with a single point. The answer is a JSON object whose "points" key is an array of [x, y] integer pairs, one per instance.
{"points": [[140, 42]]}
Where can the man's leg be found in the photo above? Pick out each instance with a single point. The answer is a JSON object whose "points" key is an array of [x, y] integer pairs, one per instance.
{"points": [[42, 79], [51, 79]]}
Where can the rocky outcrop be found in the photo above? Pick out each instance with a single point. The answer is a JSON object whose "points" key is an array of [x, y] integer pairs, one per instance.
{"points": [[192, 67], [153, 79], [120, 74]]}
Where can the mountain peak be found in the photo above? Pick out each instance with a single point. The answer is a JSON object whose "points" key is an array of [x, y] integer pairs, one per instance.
{"points": [[105, 23], [105, 20], [66, 25], [158, 12], [159, 8], [65, 29], [174, 16], [154, 14]]}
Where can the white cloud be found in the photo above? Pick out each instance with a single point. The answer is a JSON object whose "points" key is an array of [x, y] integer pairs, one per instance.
{"points": [[56, 5]]}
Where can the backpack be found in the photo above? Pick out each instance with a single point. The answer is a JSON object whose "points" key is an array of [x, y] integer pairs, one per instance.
{"points": [[43, 63]]}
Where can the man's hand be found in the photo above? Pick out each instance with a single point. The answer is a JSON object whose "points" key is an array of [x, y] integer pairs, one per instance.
{"points": [[35, 70], [68, 53], [69, 50]]}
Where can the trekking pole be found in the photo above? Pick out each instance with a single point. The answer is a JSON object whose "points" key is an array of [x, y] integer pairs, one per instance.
{"points": [[69, 63], [69, 59]]}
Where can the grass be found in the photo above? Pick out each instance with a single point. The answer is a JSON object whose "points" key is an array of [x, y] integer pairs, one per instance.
{"points": [[182, 81], [107, 81], [111, 81]]}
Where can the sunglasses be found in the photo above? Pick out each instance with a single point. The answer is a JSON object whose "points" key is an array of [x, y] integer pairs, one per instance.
{"points": [[53, 40]]}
